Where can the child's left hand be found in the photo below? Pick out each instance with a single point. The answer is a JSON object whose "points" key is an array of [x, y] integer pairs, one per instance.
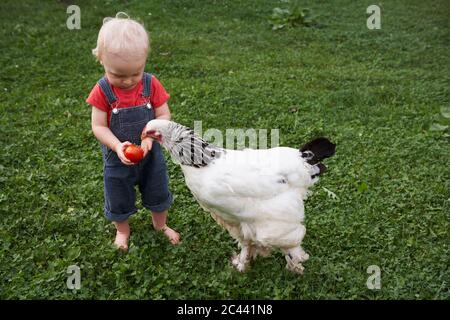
{"points": [[146, 145]]}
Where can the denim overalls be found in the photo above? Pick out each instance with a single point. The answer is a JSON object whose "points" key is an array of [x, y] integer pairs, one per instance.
{"points": [[150, 174]]}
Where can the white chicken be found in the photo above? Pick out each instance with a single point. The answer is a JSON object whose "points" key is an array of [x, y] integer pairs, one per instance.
{"points": [[257, 195]]}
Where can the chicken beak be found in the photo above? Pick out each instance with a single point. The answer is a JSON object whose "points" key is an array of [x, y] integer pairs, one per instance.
{"points": [[155, 135]]}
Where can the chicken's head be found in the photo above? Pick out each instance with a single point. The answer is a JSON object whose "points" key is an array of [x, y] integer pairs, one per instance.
{"points": [[157, 129]]}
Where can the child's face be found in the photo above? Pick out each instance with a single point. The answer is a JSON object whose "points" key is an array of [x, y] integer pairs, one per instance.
{"points": [[121, 73]]}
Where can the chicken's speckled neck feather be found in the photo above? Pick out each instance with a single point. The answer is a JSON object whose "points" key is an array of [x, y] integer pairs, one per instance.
{"points": [[187, 148]]}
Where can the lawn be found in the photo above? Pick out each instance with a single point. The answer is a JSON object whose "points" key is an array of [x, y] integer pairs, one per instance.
{"points": [[378, 94]]}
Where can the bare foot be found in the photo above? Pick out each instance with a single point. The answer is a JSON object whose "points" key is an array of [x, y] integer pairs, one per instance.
{"points": [[121, 241], [122, 235], [172, 235]]}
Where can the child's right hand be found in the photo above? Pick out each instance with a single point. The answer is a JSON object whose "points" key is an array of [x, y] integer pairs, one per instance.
{"points": [[120, 149]]}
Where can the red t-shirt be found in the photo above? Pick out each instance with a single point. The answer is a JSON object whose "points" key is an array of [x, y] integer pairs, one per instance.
{"points": [[128, 98]]}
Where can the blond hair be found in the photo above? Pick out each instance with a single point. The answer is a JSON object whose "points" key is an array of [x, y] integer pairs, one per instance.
{"points": [[122, 36]]}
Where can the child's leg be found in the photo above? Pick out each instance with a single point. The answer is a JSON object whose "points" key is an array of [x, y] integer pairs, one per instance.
{"points": [[122, 234], [159, 223]]}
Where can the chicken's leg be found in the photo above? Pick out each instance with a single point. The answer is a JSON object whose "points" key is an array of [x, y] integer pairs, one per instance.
{"points": [[294, 258], [242, 260]]}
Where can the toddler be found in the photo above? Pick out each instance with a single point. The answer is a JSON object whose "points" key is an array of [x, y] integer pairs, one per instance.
{"points": [[123, 101]]}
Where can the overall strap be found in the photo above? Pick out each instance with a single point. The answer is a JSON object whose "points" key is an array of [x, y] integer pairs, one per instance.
{"points": [[147, 84], [107, 90]]}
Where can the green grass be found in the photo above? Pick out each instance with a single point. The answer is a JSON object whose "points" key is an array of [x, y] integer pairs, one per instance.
{"points": [[373, 92]]}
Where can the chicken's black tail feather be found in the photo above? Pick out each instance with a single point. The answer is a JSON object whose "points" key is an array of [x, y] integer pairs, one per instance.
{"points": [[317, 150]]}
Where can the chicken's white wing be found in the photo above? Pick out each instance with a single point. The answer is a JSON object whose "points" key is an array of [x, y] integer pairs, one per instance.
{"points": [[241, 181]]}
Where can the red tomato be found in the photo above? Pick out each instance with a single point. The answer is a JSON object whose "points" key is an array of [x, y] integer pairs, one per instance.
{"points": [[134, 153]]}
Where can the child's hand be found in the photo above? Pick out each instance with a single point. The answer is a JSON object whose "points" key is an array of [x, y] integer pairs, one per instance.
{"points": [[146, 145], [119, 149]]}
